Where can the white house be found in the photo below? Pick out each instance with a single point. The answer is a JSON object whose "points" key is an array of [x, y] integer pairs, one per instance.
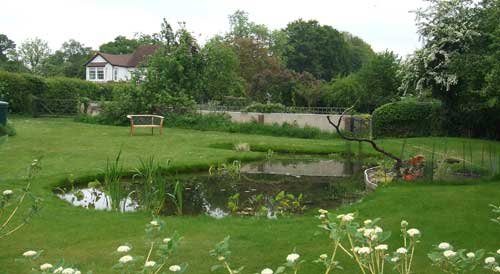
{"points": [[105, 67]]}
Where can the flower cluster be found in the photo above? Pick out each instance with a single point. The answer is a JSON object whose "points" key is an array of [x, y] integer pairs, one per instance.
{"points": [[31, 256], [446, 258], [150, 264]]}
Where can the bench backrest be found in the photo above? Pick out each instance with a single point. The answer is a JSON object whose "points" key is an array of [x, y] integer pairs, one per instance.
{"points": [[145, 119]]}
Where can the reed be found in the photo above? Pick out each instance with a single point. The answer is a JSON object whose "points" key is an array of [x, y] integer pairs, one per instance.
{"points": [[177, 197], [112, 178]]}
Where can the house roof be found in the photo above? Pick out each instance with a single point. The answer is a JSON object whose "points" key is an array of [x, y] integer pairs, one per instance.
{"points": [[125, 60]]}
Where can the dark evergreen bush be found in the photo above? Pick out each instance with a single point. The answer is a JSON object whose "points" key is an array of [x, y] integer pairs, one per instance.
{"points": [[407, 119]]}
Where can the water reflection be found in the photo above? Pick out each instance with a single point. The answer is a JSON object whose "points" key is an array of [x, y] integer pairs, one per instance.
{"points": [[317, 183]]}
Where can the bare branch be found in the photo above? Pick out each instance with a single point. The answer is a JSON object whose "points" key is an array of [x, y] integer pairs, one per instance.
{"points": [[399, 162]]}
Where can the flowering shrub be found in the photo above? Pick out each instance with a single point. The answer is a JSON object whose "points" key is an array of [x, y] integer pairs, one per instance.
{"points": [[363, 243], [11, 201]]}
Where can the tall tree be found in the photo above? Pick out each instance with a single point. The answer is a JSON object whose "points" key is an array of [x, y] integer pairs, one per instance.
{"points": [[221, 71], [33, 53], [120, 45], [5, 45], [319, 50], [68, 61]]}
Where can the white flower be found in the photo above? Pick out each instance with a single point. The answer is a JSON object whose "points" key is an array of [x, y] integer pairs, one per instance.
{"points": [[368, 232], [394, 259], [221, 258], [45, 266], [496, 269], [348, 217], [174, 268], [355, 249], [125, 259], [402, 250], [378, 229], [323, 256], [470, 255], [58, 270], [267, 271], [29, 253], [323, 211], [498, 251], [7, 192], [381, 247], [166, 240], [78, 272], [150, 264], [123, 249], [489, 260], [68, 271], [404, 223], [361, 229], [154, 223], [364, 250], [322, 216], [412, 232], [367, 222], [291, 258], [449, 253], [444, 246]]}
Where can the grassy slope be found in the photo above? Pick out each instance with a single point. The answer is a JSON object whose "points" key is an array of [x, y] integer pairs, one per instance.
{"points": [[458, 214]]}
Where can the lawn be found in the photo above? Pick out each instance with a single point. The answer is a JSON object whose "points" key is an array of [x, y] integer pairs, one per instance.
{"points": [[457, 213]]}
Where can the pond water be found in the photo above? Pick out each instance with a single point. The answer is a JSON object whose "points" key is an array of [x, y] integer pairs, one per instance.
{"points": [[272, 188]]}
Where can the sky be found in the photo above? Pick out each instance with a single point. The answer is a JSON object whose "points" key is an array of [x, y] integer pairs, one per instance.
{"points": [[385, 24]]}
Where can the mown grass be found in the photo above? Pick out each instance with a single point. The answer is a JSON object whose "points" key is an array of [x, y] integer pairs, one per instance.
{"points": [[444, 212]]}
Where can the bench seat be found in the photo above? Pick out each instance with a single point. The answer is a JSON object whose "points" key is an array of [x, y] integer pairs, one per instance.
{"points": [[146, 121]]}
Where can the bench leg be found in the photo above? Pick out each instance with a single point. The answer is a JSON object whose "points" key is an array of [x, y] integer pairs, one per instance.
{"points": [[131, 130], [161, 131], [152, 131]]}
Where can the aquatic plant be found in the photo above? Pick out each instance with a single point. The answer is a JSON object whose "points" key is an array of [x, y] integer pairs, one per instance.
{"points": [[112, 181], [177, 197], [151, 175]]}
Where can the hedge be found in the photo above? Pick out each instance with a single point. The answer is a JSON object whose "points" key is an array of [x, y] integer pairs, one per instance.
{"points": [[407, 119], [19, 90], [264, 108]]}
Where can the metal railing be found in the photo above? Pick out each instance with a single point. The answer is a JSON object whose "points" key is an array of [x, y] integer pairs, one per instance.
{"points": [[290, 109]]}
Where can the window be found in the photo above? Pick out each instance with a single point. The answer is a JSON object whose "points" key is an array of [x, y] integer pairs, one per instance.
{"points": [[115, 75], [92, 73], [100, 74]]}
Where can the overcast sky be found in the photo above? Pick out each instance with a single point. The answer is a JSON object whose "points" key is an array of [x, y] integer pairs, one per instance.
{"points": [[385, 24]]}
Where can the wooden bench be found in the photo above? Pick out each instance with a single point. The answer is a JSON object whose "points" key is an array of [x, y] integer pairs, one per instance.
{"points": [[145, 121]]}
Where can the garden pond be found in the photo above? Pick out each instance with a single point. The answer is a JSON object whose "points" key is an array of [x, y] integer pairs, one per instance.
{"points": [[266, 188]]}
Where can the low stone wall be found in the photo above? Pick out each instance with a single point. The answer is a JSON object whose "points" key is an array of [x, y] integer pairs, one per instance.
{"points": [[318, 121]]}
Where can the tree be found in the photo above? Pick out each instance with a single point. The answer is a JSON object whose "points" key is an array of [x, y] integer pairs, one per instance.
{"points": [[121, 45], [240, 26], [220, 73], [172, 76], [309, 91], [33, 53], [275, 85], [379, 81], [68, 61], [5, 45], [319, 50], [253, 58], [344, 91], [360, 51]]}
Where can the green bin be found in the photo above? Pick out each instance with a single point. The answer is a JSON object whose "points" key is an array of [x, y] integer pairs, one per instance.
{"points": [[3, 112]]}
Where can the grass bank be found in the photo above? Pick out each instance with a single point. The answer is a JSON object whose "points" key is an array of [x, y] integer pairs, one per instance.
{"points": [[455, 213]]}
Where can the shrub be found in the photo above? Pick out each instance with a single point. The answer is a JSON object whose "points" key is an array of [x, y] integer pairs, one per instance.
{"points": [[264, 108], [19, 90], [407, 118], [7, 129]]}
